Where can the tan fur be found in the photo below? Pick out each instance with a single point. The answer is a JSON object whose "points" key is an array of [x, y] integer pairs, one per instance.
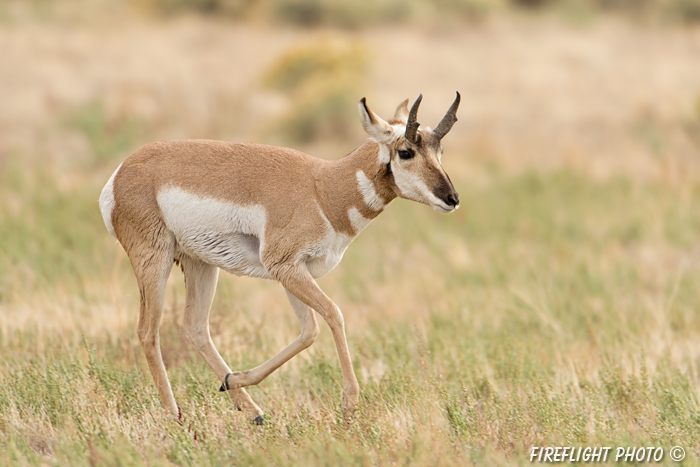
{"points": [[300, 196], [234, 172]]}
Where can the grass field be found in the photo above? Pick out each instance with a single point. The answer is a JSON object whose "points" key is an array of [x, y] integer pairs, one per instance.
{"points": [[557, 307]]}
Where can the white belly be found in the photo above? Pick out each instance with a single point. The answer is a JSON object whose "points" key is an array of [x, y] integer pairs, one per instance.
{"points": [[219, 233], [232, 237]]}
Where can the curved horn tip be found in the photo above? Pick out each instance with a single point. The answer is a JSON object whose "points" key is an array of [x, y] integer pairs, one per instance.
{"points": [[414, 108], [411, 124], [448, 120], [417, 102]]}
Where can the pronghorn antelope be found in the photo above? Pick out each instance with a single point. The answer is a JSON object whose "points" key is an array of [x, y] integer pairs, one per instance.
{"points": [[263, 211]]}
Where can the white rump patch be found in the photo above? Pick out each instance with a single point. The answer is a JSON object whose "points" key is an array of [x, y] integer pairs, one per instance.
{"points": [[107, 203], [220, 233], [368, 192]]}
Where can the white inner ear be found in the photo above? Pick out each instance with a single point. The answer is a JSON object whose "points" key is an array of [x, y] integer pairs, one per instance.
{"points": [[379, 130], [402, 111]]}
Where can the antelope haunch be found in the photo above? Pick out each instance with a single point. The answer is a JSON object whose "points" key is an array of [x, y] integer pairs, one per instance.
{"points": [[263, 211]]}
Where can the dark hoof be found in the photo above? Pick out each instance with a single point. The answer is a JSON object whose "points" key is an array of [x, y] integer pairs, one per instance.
{"points": [[259, 420], [224, 385]]}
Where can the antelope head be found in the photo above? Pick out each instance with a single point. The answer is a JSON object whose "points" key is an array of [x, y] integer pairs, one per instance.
{"points": [[413, 155]]}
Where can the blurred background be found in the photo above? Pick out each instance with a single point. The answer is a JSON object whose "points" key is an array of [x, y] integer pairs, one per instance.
{"points": [[603, 84], [600, 88], [573, 262]]}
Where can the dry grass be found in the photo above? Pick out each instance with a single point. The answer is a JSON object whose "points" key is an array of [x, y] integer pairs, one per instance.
{"points": [[558, 306]]}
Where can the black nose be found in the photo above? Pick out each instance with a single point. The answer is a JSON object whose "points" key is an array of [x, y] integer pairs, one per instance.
{"points": [[453, 199]]}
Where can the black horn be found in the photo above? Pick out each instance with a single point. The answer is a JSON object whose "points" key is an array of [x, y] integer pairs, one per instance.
{"points": [[412, 125], [448, 120]]}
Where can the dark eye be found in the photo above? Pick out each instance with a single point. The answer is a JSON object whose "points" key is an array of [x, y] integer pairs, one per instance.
{"points": [[406, 153]]}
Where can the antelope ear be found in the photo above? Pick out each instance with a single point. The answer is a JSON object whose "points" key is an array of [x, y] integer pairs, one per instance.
{"points": [[377, 129], [402, 111]]}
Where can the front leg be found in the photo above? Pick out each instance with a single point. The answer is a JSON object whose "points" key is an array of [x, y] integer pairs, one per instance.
{"points": [[299, 282], [309, 332]]}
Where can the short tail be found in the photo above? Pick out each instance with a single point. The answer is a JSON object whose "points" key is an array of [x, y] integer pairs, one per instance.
{"points": [[107, 203]]}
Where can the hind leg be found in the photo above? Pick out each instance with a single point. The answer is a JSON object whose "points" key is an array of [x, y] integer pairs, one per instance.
{"points": [[152, 268], [200, 281]]}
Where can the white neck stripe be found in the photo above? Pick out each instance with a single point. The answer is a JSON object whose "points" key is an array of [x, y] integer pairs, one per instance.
{"points": [[369, 194]]}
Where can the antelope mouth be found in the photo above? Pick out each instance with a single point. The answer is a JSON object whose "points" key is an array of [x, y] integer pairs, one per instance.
{"points": [[444, 208]]}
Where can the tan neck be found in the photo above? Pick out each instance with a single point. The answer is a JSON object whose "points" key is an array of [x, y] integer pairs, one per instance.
{"points": [[338, 190]]}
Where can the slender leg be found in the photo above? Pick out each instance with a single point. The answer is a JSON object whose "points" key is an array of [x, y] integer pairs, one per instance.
{"points": [[299, 282], [152, 270], [309, 332], [303, 290], [200, 282]]}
